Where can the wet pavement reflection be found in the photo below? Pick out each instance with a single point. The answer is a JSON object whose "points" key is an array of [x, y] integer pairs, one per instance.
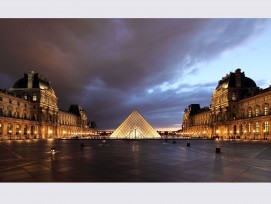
{"points": [[134, 161]]}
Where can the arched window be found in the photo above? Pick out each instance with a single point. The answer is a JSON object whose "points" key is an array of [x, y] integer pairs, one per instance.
{"points": [[257, 126], [249, 113], [266, 127], [32, 130], [25, 130], [257, 111], [17, 129], [266, 110], [9, 129]]}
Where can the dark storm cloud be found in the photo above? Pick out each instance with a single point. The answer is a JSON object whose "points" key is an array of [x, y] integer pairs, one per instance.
{"points": [[112, 66]]}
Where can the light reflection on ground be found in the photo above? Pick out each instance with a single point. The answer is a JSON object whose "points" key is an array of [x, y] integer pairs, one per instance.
{"points": [[134, 161]]}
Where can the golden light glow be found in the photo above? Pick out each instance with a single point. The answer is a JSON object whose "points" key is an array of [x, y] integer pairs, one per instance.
{"points": [[135, 126]]}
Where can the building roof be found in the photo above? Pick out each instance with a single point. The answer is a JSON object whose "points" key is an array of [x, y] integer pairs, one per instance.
{"points": [[229, 81], [38, 81]]}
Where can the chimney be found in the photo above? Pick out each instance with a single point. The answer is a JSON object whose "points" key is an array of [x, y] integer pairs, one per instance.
{"points": [[30, 79], [238, 78]]}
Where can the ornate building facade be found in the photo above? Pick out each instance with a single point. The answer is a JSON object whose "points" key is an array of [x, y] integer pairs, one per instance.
{"points": [[29, 110], [239, 109]]}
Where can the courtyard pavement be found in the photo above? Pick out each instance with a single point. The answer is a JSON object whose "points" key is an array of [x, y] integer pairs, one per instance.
{"points": [[134, 161]]}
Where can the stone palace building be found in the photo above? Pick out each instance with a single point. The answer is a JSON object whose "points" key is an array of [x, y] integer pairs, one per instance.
{"points": [[29, 110], [239, 110]]}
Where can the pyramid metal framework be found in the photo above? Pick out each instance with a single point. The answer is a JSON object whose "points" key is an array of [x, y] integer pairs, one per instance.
{"points": [[135, 126]]}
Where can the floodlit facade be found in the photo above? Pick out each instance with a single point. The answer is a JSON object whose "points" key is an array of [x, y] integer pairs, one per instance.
{"points": [[29, 110], [135, 126], [239, 110]]}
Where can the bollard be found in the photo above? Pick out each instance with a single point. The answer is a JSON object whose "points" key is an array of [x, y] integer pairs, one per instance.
{"points": [[82, 144], [53, 149], [188, 144], [217, 150], [174, 142]]}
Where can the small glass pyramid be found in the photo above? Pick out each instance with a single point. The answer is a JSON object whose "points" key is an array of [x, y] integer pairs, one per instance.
{"points": [[135, 126]]}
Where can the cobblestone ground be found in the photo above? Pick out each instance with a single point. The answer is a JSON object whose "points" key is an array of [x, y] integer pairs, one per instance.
{"points": [[135, 161]]}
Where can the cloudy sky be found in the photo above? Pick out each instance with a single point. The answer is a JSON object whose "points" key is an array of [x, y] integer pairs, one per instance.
{"points": [[113, 66]]}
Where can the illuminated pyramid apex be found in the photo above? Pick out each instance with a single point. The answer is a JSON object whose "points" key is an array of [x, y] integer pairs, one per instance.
{"points": [[135, 126]]}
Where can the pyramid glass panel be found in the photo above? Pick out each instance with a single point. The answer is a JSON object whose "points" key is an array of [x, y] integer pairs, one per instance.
{"points": [[135, 126]]}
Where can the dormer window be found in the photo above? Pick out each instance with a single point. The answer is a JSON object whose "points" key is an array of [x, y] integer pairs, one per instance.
{"points": [[233, 96], [34, 97]]}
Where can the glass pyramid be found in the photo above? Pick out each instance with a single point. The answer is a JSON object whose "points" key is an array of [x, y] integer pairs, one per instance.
{"points": [[135, 126]]}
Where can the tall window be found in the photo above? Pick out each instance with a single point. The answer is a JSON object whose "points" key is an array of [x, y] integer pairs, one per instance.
{"points": [[9, 129], [242, 129], [265, 110], [1, 111], [10, 101], [0, 129], [249, 127], [249, 113], [257, 112], [257, 126], [266, 126], [17, 129], [1, 99]]}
